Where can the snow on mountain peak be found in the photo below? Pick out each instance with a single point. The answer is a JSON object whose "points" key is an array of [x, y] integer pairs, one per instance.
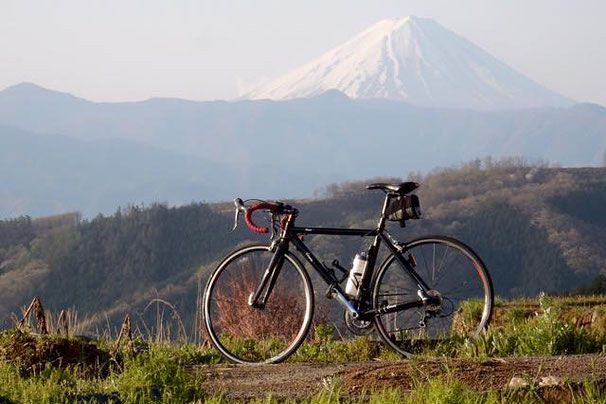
{"points": [[417, 60]]}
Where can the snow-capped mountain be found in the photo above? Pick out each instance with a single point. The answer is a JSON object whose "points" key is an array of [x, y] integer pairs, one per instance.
{"points": [[416, 60]]}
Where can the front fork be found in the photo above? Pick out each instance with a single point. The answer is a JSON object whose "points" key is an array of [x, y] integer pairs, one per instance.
{"points": [[259, 298]]}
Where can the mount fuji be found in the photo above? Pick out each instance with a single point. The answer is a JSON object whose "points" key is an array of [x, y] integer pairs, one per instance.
{"points": [[415, 60]]}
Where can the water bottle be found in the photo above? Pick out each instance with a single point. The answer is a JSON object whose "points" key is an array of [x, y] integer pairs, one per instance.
{"points": [[352, 288]]}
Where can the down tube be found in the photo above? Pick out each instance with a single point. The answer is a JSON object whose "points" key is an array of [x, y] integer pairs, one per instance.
{"points": [[302, 248]]}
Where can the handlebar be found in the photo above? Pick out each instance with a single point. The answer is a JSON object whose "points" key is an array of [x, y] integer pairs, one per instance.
{"points": [[248, 216], [248, 211]]}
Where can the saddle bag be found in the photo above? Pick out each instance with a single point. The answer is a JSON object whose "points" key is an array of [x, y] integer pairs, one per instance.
{"points": [[404, 207]]}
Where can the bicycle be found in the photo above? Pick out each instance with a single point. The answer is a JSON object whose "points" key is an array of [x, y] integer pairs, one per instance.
{"points": [[259, 301]]}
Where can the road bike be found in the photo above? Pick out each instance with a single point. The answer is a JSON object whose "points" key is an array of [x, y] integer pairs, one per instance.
{"points": [[259, 301]]}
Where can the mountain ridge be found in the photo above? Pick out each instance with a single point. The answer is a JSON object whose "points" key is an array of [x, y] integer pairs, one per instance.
{"points": [[272, 149], [48, 173]]}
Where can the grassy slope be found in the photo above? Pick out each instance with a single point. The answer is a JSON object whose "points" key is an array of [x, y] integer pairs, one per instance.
{"points": [[51, 368]]}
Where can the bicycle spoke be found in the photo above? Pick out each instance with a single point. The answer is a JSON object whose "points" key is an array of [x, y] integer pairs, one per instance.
{"points": [[425, 261], [452, 270], [443, 264], [437, 282]]}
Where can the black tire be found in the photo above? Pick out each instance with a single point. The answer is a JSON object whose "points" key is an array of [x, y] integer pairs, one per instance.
{"points": [[461, 280], [248, 335]]}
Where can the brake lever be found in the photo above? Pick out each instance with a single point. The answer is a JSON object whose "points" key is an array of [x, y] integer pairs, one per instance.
{"points": [[236, 218], [239, 208]]}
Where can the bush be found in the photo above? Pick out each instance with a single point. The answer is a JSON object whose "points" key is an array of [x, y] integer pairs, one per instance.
{"points": [[33, 353]]}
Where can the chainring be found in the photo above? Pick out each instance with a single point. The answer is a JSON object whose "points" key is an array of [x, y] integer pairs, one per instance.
{"points": [[357, 327]]}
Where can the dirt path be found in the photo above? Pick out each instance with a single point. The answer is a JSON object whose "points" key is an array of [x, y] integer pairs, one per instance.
{"points": [[294, 380]]}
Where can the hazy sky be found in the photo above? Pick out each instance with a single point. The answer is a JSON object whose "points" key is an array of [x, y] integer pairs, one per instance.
{"points": [[110, 50]]}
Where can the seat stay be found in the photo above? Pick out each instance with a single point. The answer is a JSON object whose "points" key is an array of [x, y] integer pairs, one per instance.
{"points": [[408, 269]]}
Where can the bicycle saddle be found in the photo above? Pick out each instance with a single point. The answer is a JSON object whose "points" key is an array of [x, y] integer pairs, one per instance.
{"points": [[402, 188]]}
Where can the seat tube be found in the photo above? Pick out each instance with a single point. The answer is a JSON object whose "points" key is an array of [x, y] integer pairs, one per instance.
{"points": [[374, 248]]}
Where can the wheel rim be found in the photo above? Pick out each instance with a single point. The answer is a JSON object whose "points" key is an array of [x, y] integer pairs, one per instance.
{"points": [[251, 335], [457, 279]]}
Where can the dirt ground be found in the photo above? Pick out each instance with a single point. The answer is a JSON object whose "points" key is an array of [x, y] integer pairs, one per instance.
{"points": [[295, 380]]}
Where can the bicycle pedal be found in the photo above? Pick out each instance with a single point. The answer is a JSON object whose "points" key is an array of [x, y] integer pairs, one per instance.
{"points": [[330, 292]]}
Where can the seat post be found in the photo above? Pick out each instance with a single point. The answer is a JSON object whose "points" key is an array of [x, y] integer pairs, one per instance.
{"points": [[385, 204], [381, 224]]}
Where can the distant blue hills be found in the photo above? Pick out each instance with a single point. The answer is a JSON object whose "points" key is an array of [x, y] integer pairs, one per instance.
{"points": [[59, 152]]}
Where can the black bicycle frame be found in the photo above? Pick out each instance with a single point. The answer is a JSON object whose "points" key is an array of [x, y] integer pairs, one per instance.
{"points": [[293, 234]]}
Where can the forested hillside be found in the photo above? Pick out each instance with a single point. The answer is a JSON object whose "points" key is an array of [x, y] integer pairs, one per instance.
{"points": [[537, 229]]}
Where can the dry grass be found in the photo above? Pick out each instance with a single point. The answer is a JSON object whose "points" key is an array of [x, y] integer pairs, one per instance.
{"points": [[237, 319]]}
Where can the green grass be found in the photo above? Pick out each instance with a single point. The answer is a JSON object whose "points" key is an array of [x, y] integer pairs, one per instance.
{"points": [[51, 385], [160, 375], [546, 333], [157, 375], [37, 368]]}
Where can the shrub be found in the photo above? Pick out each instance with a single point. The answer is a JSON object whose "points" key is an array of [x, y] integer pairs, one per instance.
{"points": [[32, 353]]}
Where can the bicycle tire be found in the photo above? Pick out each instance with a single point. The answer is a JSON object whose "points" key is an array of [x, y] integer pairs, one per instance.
{"points": [[248, 335], [460, 279]]}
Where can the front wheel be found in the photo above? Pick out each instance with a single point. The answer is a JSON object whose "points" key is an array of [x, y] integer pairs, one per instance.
{"points": [[458, 282], [247, 334]]}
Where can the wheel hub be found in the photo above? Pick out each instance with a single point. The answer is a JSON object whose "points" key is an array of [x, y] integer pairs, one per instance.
{"points": [[435, 301]]}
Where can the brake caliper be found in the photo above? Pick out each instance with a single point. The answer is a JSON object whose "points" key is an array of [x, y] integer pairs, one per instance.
{"points": [[411, 260]]}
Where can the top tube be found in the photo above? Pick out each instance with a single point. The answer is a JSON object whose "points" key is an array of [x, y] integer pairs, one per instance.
{"points": [[334, 231]]}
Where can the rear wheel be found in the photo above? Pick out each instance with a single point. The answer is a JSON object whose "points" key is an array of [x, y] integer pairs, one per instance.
{"points": [[246, 334], [459, 282]]}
